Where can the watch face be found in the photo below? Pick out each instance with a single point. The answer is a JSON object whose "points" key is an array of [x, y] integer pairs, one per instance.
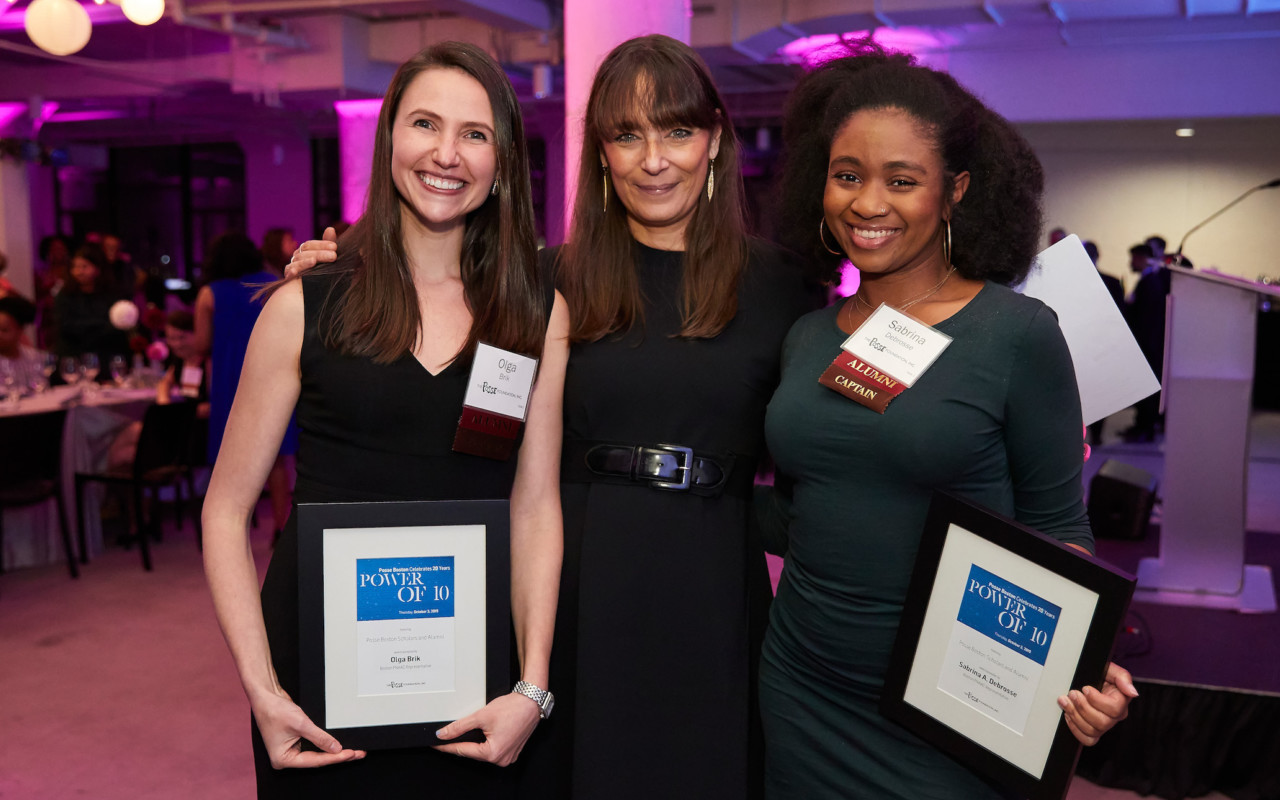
{"points": [[549, 704]]}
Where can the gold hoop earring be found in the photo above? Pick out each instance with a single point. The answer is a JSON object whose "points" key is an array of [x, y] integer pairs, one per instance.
{"points": [[822, 238], [711, 181], [946, 245], [604, 175]]}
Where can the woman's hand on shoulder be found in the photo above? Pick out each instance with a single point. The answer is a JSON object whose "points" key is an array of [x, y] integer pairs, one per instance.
{"points": [[312, 252], [284, 725], [506, 722], [1090, 713]]}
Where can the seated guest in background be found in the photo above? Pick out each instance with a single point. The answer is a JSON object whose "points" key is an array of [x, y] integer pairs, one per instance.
{"points": [[1114, 285], [1056, 235], [82, 309], [278, 245], [15, 314], [225, 315], [183, 375]]}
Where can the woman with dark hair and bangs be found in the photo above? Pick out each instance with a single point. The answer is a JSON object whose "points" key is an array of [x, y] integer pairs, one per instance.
{"points": [[936, 200], [677, 318], [375, 350]]}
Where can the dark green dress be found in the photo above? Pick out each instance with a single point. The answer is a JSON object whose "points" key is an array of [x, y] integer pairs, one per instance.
{"points": [[996, 420]]}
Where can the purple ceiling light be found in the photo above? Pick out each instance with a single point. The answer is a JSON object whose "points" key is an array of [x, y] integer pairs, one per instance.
{"points": [[812, 51]]}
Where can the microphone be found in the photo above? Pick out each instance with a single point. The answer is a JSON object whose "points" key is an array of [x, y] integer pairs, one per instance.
{"points": [[1177, 255]]}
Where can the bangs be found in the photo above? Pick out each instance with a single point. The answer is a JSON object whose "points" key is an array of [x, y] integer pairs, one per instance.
{"points": [[662, 94]]}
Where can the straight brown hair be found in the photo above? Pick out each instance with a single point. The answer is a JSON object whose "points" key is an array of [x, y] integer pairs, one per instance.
{"points": [[658, 80], [376, 314]]}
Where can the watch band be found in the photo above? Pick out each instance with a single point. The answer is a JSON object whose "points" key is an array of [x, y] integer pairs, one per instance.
{"points": [[545, 700]]}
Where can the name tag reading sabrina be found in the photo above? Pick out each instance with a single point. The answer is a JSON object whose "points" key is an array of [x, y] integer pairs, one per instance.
{"points": [[884, 356], [496, 403]]}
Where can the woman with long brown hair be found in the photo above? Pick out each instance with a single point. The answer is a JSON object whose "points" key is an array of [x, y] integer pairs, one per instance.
{"points": [[678, 319], [375, 349]]}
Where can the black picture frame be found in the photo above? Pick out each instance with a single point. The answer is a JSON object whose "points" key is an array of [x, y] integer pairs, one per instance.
{"points": [[317, 523], [912, 696]]}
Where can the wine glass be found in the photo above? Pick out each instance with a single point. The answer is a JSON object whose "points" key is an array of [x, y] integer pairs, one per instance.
{"points": [[9, 381], [90, 367], [70, 370], [119, 370], [48, 365]]}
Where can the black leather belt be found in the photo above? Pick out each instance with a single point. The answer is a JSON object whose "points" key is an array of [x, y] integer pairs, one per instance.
{"points": [[668, 467]]}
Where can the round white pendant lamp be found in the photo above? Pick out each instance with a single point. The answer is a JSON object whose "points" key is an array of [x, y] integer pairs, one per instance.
{"points": [[60, 27], [143, 12]]}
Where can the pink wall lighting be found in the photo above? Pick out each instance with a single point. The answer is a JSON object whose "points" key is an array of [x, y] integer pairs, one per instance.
{"points": [[357, 124]]}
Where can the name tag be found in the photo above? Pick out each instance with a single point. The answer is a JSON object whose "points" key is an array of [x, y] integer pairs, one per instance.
{"points": [[496, 402], [191, 379], [896, 345]]}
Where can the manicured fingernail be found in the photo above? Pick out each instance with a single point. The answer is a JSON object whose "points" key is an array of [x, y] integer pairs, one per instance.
{"points": [[335, 748], [1063, 703], [440, 734]]}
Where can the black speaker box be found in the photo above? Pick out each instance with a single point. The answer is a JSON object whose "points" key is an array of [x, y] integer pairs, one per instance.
{"points": [[1120, 501]]}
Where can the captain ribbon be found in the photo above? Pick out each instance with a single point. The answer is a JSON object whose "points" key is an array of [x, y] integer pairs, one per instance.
{"points": [[859, 381]]}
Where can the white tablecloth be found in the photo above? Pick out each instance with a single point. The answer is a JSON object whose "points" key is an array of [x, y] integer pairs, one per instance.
{"points": [[31, 535]]}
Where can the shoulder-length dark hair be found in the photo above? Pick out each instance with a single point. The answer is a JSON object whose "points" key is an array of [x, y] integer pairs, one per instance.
{"points": [[93, 253], [231, 255], [652, 79], [995, 229], [377, 315]]}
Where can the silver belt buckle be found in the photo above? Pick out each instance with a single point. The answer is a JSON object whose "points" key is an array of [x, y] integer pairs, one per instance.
{"points": [[683, 458]]}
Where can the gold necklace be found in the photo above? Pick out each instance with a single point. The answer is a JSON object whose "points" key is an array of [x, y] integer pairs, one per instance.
{"points": [[857, 298]]}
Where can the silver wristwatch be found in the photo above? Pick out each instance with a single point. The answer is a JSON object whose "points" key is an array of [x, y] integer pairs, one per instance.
{"points": [[545, 700]]}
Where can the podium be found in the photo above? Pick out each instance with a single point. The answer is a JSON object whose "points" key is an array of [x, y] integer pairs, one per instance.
{"points": [[1208, 383]]}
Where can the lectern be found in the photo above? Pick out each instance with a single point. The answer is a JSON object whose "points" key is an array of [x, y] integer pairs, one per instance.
{"points": [[1208, 381]]}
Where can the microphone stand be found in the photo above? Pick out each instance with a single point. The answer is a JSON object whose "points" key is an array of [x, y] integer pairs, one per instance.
{"points": [[1177, 255]]}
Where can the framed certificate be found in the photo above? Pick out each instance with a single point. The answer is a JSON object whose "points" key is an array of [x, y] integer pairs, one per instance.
{"points": [[999, 622], [404, 620]]}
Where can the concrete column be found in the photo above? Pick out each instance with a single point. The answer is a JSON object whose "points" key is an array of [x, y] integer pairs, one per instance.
{"points": [[16, 240], [277, 185], [591, 29]]}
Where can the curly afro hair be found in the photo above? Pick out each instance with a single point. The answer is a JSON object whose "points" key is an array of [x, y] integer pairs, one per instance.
{"points": [[995, 228]]}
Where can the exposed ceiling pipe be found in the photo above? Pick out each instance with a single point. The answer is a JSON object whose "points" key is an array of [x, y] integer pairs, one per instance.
{"points": [[261, 34], [882, 17], [737, 45]]}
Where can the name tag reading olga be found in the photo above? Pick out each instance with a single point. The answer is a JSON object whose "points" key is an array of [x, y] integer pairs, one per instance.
{"points": [[496, 402]]}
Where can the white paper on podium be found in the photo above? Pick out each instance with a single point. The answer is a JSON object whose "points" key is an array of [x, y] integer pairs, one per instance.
{"points": [[1110, 369]]}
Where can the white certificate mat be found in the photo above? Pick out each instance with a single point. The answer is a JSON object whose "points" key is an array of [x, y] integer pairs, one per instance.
{"points": [[404, 616], [998, 623], [991, 688], [393, 671]]}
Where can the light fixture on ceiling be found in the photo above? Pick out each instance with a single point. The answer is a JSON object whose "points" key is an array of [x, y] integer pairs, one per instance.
{"points": [[1185, 133], [60, 27], [143, 12]]}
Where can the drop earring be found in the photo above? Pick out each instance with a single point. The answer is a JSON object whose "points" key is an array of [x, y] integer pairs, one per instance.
{"points": [[604, 175], [946, 245], [711, 181], [493, 190]]}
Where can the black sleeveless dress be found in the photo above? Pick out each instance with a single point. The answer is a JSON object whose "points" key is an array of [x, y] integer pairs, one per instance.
{"points": [[372, 432], [654, 649]]}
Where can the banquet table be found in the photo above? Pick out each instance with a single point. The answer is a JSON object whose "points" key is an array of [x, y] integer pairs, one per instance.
{"points": [[93, 421]]}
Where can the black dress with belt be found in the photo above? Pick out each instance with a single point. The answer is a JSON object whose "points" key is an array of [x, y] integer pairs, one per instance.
{"points": [[653, 664], [372, 432]]}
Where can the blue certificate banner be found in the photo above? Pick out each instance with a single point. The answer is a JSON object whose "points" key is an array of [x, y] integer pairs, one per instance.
{"points": [[1008, 614], [404, 588]]}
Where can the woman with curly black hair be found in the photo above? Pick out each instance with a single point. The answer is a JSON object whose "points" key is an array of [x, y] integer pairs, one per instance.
{"points": [[936, 200]]}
